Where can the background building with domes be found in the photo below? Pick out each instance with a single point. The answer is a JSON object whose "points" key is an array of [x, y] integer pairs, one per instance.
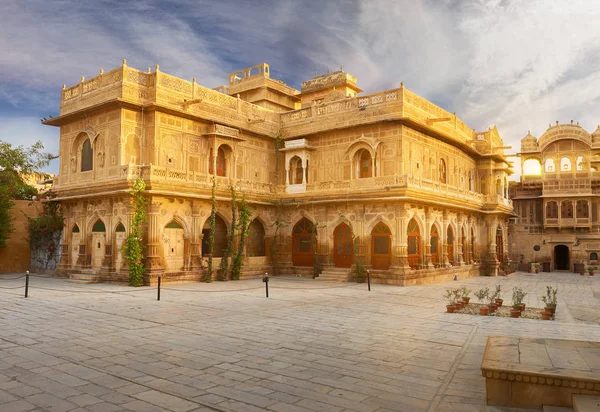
{"points": [[556, 199], [332, 176]]}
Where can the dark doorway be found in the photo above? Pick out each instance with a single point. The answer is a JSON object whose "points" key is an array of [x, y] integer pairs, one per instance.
{"points": [[561, 257]]}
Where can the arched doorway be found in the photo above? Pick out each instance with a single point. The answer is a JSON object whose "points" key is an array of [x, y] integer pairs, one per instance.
{"points": [[381, 247], [343, 250], [463, 240], [98, 243], [302, 244], [255, 245], [450, 244], [220, 237], [434, 242], [173, 244], [75, 241], [413, 240], [499, 245], [120, 236], [561, 257], [472, 256]]}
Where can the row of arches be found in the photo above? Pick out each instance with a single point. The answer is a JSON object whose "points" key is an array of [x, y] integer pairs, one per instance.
{"points": [[533, 166], [566, 209]]}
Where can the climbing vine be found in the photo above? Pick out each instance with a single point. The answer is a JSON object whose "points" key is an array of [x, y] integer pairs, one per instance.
{"points": [[211, 235], [224, 266], [45, 230], [244, 214], [133, 247]]}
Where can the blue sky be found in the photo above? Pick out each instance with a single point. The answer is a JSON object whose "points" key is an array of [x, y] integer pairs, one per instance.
{"points": [[517, 64]]}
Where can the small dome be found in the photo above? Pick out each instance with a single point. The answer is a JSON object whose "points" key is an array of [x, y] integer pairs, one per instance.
{"points": [[529, 143]]}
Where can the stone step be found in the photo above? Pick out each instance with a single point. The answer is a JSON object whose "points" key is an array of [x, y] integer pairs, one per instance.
{"points": [[586, 403], [84, 278], [334, 276]]}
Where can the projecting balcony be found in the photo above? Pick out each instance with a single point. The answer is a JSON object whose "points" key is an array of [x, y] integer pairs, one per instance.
{"points": [[568, 222]]}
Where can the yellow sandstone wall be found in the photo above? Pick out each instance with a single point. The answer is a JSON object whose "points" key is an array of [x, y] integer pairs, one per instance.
{"points": [[16, 256]]}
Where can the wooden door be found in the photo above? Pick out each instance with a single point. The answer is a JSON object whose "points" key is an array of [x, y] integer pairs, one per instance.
{"points": [[434, 241], [381, 247], [302, 243], [499, 245], [343, 250]]}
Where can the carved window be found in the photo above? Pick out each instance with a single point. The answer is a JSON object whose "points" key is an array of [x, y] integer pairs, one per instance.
{"points": [[551, 210], [221, 162], [565, 164], [365, 164], [582, 208], [442, 171], [87, 156], [579, 163], [566, 209], [296, 171], [593, 256], [549, 165]]}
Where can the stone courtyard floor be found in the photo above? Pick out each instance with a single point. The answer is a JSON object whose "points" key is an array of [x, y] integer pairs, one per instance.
{"points": [[311, 346]]}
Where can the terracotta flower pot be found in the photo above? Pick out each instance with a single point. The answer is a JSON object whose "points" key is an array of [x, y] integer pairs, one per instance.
{"points": [[492, 307], [546, 315], [591, 273], [550, 309], [515, 313], [466, 300], [499, 302], [522, 307], [458, 306], [483, 310], [450, 308], [582, 273]]}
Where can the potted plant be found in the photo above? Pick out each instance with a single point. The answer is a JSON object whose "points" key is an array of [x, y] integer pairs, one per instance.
{"points": [[546, 315], [492, 305], [481, 294], [537, 268], [417, 266], [591, 270], [465, 294], [458, 298], [522, 259], [518, 296], [450, 300], [499, 299], [550, 300]]}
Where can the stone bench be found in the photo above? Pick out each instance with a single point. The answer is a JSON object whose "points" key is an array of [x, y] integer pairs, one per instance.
{"points": [[530, 373]]}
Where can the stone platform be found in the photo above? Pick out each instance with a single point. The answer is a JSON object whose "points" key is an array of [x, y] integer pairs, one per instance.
{"points": [[530, 373]]}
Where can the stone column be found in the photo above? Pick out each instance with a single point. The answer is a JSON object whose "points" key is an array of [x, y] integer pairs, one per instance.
{"points": [[153, 263], [196, 240], [402, 241], [492, 258], [287, 174], [304, 171], [460, 222], [427, 241], [444, 238]]}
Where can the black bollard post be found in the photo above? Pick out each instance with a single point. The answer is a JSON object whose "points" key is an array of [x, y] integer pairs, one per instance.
{"points": [[266, 280], [26, 283], [158, 290], [369, 279]]}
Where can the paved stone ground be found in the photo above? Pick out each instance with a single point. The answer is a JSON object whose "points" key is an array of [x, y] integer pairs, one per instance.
{"points": [[311, 346]]}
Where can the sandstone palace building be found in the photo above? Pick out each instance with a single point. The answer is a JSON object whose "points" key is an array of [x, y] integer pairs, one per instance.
{"points": [[425, 195], [556, 199]]}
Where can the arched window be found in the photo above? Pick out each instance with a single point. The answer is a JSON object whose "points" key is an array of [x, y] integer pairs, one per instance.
{"points": [[120, 228], [442, 171], [221, 162], [99, 226], [582, 208], [579, 163], [296, 171], [365, 164], [593, 256], [75, 229], [566, 209], [551, 210], [532, 167], [549, 165], [565, 164], [87, 156]]}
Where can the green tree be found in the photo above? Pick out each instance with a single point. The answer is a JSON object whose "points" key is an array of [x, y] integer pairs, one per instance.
{"points": [[15, 164], [133, 247]]}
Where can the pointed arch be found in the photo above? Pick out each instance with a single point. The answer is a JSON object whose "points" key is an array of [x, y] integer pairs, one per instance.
{"points": [[87, 156], [343, 246], [302, 243], [220, 236], [296, 171], [381, 246], [120, 228], [413, 234], [255, 244], [75, 228], [99, 226]]}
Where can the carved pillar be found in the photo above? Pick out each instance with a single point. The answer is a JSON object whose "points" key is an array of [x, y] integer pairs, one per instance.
{"points": [[402, 241], [444, 238], [153, 263], [196, 241], [304, 171], [427, 241], [287, 175], [460, 240]]}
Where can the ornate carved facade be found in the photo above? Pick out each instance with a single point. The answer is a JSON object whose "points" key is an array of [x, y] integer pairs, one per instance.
{"points": [[555, 201], [425, 196]]}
